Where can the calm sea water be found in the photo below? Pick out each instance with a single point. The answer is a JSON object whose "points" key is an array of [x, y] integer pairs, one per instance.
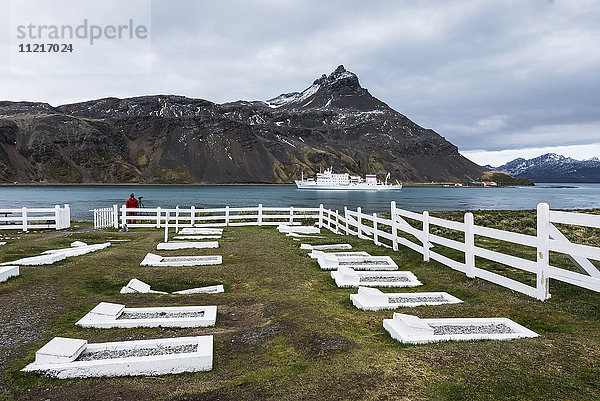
{"points": [[86, 197]]}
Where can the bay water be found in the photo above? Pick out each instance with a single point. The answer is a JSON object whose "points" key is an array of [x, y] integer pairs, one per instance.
{"points": [[83, 198]]}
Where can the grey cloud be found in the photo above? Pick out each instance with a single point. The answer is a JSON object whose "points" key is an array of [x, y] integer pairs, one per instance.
{"points": [[486, 75]]}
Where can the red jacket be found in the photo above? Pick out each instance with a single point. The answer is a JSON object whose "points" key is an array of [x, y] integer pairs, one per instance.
{"points": [[131, 202]]}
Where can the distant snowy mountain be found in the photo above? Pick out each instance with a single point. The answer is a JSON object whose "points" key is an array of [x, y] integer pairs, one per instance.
{"points": [[553, 168]]}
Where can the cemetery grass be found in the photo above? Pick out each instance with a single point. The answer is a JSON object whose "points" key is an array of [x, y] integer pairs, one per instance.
{"points": [[284, 330]]}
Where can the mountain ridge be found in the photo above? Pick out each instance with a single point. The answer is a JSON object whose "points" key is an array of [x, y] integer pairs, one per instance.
{"points": [[551, 167], [171, 138]]}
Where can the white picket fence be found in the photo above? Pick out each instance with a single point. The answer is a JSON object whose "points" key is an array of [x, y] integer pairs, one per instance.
{"points": [[412, 230], [26, 219], [216, 217], [421, 240]]}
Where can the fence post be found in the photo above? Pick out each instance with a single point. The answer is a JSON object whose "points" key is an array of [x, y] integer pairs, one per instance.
{"points": [[167, 227], [469, 245], [394, 226], [291, 215], [320, 215], [24, 217], [115, 215], [543, 253], [158, 211], [358, 221], [260, 214], [375, 236], [337, 222], [177, 218], [226, 216], [346, 218], [426, 236], [67, 216], [57, 218], [193, 215], [123, 216], [96, 211]]}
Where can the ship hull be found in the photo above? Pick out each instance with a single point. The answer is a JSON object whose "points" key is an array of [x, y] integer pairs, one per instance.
{"points": [[350, 187]]}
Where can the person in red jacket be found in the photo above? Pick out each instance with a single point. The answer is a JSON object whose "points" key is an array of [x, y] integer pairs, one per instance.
{"points": [[131, 203]]}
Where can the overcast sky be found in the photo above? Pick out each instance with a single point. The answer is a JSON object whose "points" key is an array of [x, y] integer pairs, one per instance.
{"points": [[500, 79]]}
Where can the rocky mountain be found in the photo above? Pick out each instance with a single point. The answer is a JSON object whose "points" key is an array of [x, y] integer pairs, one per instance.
{"points": [[554, 168], [165, 138]]}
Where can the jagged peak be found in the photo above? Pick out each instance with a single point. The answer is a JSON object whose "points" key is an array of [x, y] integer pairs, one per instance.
{"points": [[339, 82], [339, 76]]}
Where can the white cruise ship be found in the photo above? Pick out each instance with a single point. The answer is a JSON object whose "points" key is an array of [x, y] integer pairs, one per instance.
{"points": [[329, 180]]}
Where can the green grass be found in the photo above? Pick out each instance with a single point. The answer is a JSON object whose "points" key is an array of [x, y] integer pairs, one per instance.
{"points": [[285, 332]]}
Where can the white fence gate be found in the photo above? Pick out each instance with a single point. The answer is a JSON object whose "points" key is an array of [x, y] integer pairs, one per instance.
{"points": [[28, 218], [106, 217]]}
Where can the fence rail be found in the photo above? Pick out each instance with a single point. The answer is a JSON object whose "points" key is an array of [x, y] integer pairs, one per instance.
{"points": [[417, 231], [26, 219]]}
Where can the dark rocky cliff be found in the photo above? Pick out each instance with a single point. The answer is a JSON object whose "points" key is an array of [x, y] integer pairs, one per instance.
{"points": [[165, 138]]}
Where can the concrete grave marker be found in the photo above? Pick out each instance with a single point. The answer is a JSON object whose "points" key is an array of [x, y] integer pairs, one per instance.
{"points": [[285, 228], [137, 286], [298, 236], [212, 289], [347, 277], [315, 254], [7, 272], [200, 231], [37, 260], [157, 260], [67, 358], [331, 262], [60, 349], [54, 255], [325, 247], [187, 245], [413, 330], [373, 299], [196, 237], [109, 315]]}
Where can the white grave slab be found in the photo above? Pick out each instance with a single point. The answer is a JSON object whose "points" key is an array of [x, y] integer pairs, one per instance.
{"points": [[285, 228], [157, 260], [413, 330], [7, 272], [80, 248], [107, 315], [298, 236], [187, 245], [325, 247], [54, 255], [138, 286], [67, 358], [373, 299], [331, 262], [315, 254], [2, 242], [37, 260], [212, 289], [347, 277], [196, 237], [201, 231]]}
